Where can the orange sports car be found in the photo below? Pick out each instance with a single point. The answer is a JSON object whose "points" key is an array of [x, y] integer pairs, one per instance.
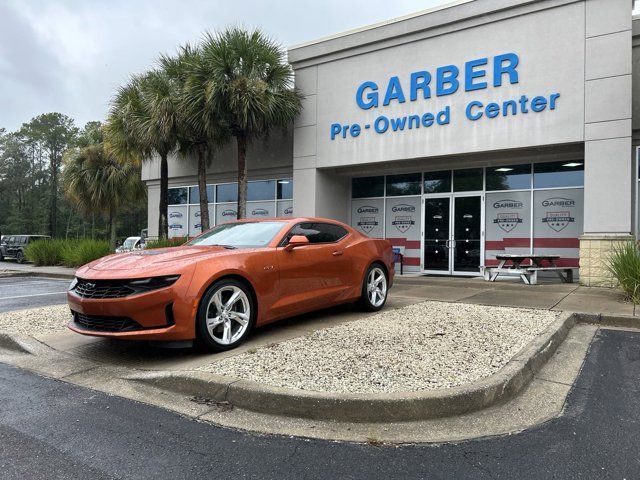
{"points": [[221, 284]]}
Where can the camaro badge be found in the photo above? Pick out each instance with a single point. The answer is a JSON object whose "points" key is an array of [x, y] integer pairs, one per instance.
{"points": [[507, 221]]}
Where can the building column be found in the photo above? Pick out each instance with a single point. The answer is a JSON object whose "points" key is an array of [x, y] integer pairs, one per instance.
{"points": [[608, 198]]}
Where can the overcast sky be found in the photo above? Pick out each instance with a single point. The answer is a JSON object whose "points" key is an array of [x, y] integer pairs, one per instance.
{"points": [[69, 56]]}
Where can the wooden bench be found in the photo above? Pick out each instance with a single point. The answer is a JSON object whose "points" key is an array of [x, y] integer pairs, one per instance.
{"points": [[565, 273]]}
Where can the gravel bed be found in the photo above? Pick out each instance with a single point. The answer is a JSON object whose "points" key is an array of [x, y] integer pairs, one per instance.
{"points": [[424, 346], [36, 321]]}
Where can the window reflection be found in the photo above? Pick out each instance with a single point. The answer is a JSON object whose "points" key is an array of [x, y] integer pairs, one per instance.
{"points": [[364, 187], [467, 180], [177, 196], [511, 177], [405, 184], [558, 174], [437, 182]]}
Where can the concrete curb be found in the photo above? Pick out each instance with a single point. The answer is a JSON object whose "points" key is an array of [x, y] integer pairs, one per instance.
{"points": [[609, 320], [21, 273], [373, 408], [14, 343]]}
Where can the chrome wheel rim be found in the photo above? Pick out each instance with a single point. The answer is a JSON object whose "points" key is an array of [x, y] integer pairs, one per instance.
{"points": [[376, 287], [228, 315]]}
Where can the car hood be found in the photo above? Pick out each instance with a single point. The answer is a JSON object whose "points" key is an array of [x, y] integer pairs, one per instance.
{"points": [[157, 259]]}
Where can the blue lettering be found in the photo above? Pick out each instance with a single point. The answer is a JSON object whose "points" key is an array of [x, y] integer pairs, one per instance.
{"points": [[538, 104], [372, 96], [394, 91], [420, 81], [427, 119], [470, 74], [505, 64], [355, 130], [492, 110], [398, 123], [470, 114], [444, 116], [381, 124], [335, 130], [552, 101], [447, 80], [414, 121]]}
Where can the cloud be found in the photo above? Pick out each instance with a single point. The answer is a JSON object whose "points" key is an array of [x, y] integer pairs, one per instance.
{"points": [[70, 55]]}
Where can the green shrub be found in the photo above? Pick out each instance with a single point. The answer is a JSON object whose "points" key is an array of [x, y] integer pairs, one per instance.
{"points": [[45, 252], [624, 265], [167, 242], [84, 251], [70, 253]]}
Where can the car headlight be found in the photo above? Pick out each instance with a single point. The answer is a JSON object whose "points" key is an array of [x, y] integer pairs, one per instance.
{"points": [[153, 283], [73, 283]]}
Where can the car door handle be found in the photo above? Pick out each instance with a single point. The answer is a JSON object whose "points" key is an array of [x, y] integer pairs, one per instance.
{"points": [[337, 253]]}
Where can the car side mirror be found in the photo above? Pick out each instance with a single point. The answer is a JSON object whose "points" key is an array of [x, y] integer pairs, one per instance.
{"points": [[296, 241]]}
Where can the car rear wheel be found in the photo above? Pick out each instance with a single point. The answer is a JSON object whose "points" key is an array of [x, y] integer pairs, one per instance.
{"points": [[20, 256], [374, 288], [226, 315]]}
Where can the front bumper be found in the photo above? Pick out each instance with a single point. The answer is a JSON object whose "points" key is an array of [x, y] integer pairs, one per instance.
{"points": [[163, 314]]}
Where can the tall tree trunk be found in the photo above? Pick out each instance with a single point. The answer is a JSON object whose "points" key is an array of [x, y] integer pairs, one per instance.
{"points": [[53, 202], [242, 176], [163, 225], [202, 185], [112, 227]]}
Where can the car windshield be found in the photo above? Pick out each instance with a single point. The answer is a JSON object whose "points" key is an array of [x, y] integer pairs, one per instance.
{"points": [[129, 242], [242, 234]]}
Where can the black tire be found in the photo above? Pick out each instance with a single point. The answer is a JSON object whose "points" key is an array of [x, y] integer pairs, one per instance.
{"points": [[366, 302], [207, 338], [20, 256]]}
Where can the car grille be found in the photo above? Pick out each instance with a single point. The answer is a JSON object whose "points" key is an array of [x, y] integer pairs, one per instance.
{"points": [[105, 324], [103, 288]]}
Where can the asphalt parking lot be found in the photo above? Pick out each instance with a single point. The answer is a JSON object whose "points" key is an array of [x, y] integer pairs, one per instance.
{"points": [[17, 293]]}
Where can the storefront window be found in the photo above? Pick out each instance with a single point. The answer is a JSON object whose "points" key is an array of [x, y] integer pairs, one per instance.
{"points": [[177, 196], [437, 182], [512, 177], [227, 192], [507, 224], [405, 184], [261, 190], [558, 174], [467, 180], [364, 187], [285, 188], [194, 194]]}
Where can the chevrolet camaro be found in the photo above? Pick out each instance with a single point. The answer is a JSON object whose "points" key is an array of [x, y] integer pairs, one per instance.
{"points": [[217, 287]]}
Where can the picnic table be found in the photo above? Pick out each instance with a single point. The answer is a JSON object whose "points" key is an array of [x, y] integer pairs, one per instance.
{"points": [[528, 273]]}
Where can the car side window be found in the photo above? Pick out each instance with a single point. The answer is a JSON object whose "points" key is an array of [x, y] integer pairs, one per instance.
{"points": [[317, 232]]}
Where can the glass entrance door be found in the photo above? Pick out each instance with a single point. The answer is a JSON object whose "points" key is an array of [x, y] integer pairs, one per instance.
{"points": [[466, 241], [452, 234], [437, 220]]}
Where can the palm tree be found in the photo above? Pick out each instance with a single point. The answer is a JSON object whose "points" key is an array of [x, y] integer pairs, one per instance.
{"points": [[143, 121], [249, 89], [199, 132], [95, 180]]}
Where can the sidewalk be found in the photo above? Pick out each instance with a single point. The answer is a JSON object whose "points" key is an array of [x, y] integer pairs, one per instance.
{"points": [[549, 294], [12, 267]]}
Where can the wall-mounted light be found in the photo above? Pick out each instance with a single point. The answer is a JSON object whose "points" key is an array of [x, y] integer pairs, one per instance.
{"points": [[284, 182], [503, 169], [572, 164]]}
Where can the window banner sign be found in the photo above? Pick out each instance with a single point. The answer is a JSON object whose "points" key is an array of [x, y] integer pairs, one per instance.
{"points": [[226, 212], [195, 223], [367, 216], [178, 221], [285, 208], [558, 223], [261, 209], [402, 222], [507, 224]]}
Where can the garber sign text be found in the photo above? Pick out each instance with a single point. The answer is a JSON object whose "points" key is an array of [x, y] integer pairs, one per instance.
{"points": [[422, 85]]}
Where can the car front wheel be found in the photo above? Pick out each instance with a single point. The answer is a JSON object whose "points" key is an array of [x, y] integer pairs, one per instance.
{"points": [[374, 288], [20, 256], [226, 315]]}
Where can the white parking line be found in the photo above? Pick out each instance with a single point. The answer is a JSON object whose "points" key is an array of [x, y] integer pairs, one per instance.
{"points": [[34, 295]]}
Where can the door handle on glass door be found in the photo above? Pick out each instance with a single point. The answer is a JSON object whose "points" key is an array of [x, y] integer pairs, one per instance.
{"points": [[337, 253]]}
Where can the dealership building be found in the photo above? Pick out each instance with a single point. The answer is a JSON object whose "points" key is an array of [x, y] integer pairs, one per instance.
{"points": [[459, 133]]}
